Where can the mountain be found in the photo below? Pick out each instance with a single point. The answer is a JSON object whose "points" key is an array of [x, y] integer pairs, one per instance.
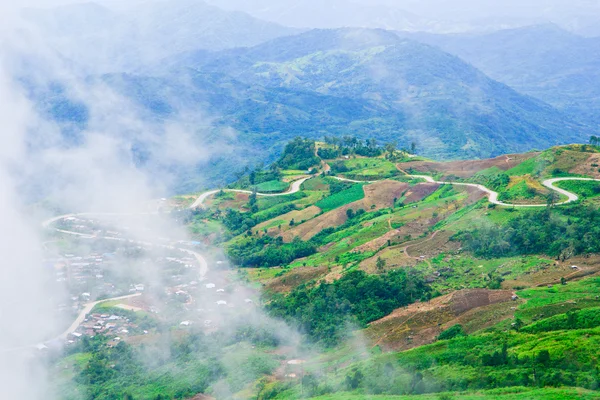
{"points": [[329, 14], [543, 61], [361, 82], [399, 90], [101, 40]]}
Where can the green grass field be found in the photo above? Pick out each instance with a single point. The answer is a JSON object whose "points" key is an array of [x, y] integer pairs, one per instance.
{"points": [[370, 168], [272, 187], [342, 198]]}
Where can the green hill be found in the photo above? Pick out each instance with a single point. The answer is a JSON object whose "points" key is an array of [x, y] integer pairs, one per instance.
{"points": [[511, 291]]}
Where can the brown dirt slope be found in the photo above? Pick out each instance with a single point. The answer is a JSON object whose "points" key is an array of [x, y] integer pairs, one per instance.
{"points": [[382, 194], [419, 192], [589, 167], [421, 323], [294, 278], [466, 169]]}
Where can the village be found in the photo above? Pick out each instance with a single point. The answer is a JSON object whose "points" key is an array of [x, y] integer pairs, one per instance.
{"points": [[124, 289]]}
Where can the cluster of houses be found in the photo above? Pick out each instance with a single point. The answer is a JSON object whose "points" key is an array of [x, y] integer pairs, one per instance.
{"points": [[116, 326]]}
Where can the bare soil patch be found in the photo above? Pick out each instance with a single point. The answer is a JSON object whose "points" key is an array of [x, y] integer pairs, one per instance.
{"points": [[294, 278], [421, 323], [419, 192]]}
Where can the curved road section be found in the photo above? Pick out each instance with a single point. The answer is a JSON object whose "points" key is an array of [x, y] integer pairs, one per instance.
{"points": [[493, 195], [294, 188]]}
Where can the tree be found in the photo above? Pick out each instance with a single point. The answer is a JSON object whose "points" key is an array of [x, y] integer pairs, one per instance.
{"points": [[452, 332], [380, 264], [552, 199], [594, 140], [391, 148], [350, 213], [543, 357], [518, 324], [413, 148]]}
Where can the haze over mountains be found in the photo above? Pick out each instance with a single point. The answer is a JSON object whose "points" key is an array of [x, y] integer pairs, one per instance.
{"points": [[254, 84], [103, 40], [434, 16]]}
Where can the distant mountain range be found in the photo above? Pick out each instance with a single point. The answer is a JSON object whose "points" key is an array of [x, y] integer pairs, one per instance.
{"points": [[543, 61], [101, 40]]}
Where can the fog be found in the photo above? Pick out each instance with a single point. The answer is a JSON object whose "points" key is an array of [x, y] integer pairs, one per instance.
{"points": [[438, 16]]}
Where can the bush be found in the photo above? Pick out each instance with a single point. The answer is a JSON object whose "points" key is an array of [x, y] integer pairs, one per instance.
{"points": [[452, 332]]}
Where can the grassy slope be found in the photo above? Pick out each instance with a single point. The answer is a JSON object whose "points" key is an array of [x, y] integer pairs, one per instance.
{"points": [[465, 270]]}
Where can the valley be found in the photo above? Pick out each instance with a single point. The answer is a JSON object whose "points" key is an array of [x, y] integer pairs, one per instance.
{"points": [[419, 280]]}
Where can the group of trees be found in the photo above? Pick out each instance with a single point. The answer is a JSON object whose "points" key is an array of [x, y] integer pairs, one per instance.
{"points": [[348, 145], [266, 251], [300, 153], [113, 373], [594, 140], [324, 311], [575, 231]]}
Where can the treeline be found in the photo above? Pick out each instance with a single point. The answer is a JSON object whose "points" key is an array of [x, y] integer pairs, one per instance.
{"points": [[351, 145], [497, 180], [348, 145], [266, 251], [323, 311], [575, 231]]}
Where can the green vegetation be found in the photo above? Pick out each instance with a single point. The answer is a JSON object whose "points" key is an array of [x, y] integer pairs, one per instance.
{"points": [[272, 187], [266, 251], [581, 188], [299, 154], [365, 168], [452, 332], [325, 311], [561, 233], [370, 262], [354, 193]]}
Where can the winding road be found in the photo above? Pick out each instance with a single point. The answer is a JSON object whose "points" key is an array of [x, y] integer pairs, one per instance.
{"points": [[493, 195]]}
